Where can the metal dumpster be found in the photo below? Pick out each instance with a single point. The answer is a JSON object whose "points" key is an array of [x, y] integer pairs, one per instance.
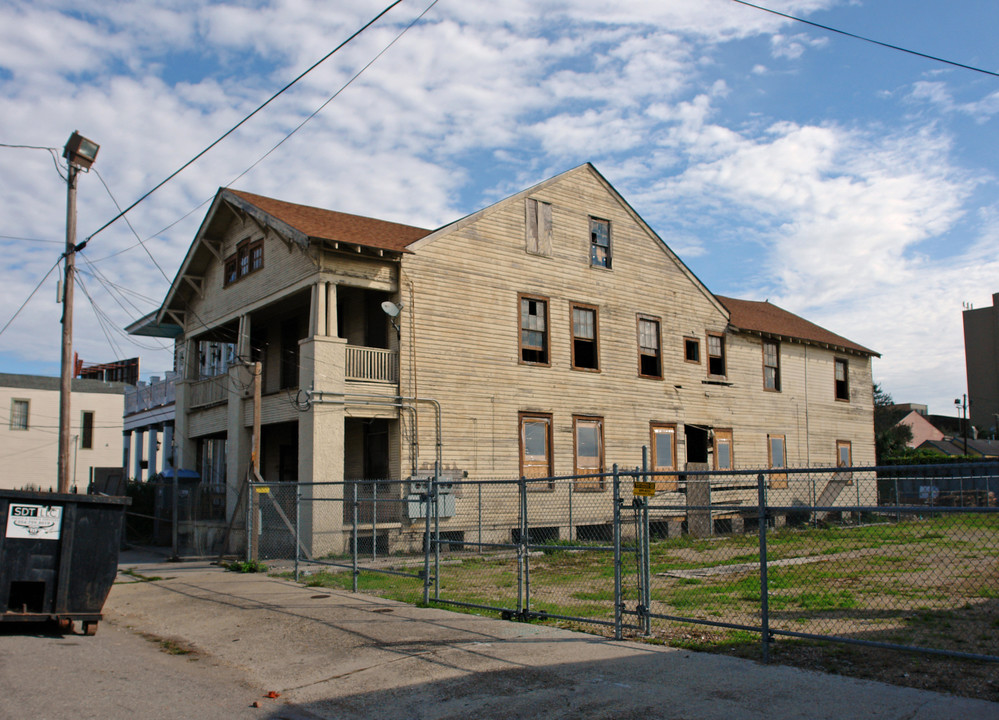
{"points": [[58, 556]]}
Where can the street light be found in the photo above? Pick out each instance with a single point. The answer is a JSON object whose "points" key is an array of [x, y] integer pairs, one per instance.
{"points": [[80, 153], [963, 407]]}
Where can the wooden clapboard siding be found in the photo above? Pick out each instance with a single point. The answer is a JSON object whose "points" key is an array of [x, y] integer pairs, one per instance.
{"points": [[207, 422], [460, 345], [285, 266]]}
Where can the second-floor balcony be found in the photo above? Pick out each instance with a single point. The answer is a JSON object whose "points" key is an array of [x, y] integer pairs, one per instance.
{"points": [[362, 364], [365, 364]]}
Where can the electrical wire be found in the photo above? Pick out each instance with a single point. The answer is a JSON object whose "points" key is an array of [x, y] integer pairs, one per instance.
{"points": [[867, 39], [130, 226], [231, 130], [54, 152], [334, 95], [28, 299]]}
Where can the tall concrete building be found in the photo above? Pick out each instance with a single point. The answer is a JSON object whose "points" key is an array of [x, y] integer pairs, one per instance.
{"points": [[981, 356]]}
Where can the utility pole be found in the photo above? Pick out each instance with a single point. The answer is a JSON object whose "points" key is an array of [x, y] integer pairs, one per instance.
{"points": [[80, 154]]}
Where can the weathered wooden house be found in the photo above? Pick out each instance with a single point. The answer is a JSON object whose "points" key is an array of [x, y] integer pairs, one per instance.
{"points": [[552, 333]]}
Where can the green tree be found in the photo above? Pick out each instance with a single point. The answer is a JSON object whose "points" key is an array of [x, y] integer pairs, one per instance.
{"points": [[890, 438]]}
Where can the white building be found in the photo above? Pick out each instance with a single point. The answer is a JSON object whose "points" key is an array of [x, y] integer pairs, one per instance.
{"points": [[29, 436]]}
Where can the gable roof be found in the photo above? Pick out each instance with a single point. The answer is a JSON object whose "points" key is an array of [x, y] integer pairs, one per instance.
{"points": [[591, 170], [320, 224], [768, 319]]}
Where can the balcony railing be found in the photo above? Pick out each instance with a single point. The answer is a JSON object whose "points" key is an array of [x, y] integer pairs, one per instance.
{"points": [[372, 364], [209, 392]]}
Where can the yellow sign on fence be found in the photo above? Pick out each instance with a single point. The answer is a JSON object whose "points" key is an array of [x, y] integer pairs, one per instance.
{"points": [[646, 489]]}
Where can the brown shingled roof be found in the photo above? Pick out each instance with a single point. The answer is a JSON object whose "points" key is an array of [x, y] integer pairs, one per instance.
{"points": [[336, 226], [763, 317]]}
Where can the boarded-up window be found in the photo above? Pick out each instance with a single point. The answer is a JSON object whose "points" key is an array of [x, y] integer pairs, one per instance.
{"points": [[87, 430], [534, 330], [723, 450], [664, 455], [589, 450], [649, 354], [585, 355], [771, 365], [777, 454], [536, 448], [539, 227]]}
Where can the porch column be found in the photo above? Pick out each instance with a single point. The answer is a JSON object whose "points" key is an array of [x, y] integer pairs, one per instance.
{"points": [[186, 450], [321, 444], [169, 458], [243, 347], [151, 452], [137, 457], [126, 451]]}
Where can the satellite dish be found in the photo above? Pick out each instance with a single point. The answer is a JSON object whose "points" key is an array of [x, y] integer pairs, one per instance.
{"points": [[391, 309]]}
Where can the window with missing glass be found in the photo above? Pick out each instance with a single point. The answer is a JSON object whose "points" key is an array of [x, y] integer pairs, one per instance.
{"points": [[716, 354], [533, 330], [585, 345], [692, 350], [650, 361], [600, 243], [771, 365], [842, 387]]}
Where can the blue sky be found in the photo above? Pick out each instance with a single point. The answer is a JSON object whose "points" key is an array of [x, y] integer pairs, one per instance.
{"points": [[849, 183]]}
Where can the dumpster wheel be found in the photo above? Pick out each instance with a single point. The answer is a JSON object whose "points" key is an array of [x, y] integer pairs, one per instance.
{"points": [[90, 628], [65, 625]]}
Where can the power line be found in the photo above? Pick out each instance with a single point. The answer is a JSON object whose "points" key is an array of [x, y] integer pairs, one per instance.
{"points": [[130, 226], [867, 39], [30, 296], [54, 152], [231, 130], [337, 93]]}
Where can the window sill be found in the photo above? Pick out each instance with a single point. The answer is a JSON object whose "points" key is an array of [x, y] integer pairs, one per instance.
{"points": [[713, 381]]}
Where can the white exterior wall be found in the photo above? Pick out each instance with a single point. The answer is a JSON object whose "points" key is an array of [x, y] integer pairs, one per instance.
{"points": [[30, 457]]}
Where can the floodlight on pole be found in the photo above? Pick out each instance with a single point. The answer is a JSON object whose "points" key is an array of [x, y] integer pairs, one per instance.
{"points": [[80, 153]]}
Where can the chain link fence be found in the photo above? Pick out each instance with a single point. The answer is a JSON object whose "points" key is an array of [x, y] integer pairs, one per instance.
{"points": [[899, 557]]}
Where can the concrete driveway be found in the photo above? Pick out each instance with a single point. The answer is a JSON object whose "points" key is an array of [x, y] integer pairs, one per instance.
{"points": [[332, 654]]}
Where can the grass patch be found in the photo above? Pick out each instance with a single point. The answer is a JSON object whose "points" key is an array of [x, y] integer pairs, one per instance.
{"points": [[131, 572]]}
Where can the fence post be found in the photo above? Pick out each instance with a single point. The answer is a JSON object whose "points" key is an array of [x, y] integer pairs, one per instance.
{"points": [[646, 569], [618, 600], [521, 541], [426, 545], [249, 521], [374, 519], [898, 511], [480, 516], [764, 591], [175, 511], [298, 526], [353, 552], [572, 528], [437, 531]]}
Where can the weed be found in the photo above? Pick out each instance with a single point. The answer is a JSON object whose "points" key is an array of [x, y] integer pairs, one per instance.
{"points": [[131, 572], [246, 566]]}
